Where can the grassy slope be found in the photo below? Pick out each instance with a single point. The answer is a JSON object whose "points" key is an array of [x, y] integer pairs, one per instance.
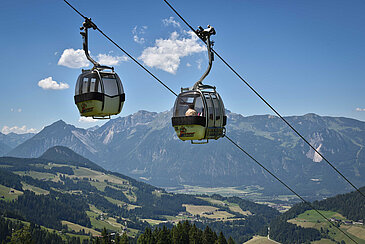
{"points": [[77, 228], [311, 219], [8, 193], [100, 180], [232, 206], [63, 235]]}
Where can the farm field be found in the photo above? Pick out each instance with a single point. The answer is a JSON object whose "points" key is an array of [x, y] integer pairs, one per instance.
{"points": [[34, 189], [38, 175], [77, 228], [8, 193], [207, 211], [94, 175], [232, 206]]}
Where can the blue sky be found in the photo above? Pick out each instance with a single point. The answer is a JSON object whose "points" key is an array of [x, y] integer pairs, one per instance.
{"points": [[302, 56]]}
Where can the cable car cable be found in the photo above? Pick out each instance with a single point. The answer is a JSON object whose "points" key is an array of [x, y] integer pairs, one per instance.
{"points": [[267, 103], [301, 198], [125, 52], [225, 135]]}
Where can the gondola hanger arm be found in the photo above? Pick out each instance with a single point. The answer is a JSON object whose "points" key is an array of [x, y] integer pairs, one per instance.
{"points": [[85, 27], [205, 34]]}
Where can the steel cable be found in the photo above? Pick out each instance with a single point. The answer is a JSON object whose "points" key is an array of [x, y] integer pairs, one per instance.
{"points": [[267, 103], [310, 205]]}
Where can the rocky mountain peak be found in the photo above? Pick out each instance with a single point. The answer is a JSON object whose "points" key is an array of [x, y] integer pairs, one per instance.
{"points": [[145, 145], [59, 125], [141, 117]]}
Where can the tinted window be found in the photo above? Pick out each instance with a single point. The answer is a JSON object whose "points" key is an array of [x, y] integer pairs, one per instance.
{"points": [[85, 85], [110, 86], [218, 110], [92, 85], [210, 112]]}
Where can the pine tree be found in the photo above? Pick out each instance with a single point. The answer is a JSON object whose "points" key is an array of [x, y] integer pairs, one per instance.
{"points": [[105, 236], [147, 237], [163, 236], [21, 236], [221, 239], [124, 239], [209, 236], [195, 235], [231, 241]]}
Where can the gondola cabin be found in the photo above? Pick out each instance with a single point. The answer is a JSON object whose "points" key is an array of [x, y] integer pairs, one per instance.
{"points": [[199, 115], [99, 94]]}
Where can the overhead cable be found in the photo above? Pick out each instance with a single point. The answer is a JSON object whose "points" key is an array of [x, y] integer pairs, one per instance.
{"points": [[267, 103], [311, 206], [125, 52]]}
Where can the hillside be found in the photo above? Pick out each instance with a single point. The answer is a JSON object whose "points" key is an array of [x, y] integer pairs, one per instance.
{"points": [[144, 146], [346, 211], [64, 191]]}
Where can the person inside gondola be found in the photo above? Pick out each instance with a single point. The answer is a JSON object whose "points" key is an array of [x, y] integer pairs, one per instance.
{"points": [[191, 111]]}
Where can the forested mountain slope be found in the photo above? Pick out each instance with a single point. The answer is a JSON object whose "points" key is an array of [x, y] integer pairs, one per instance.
{"points": [[62, 190]]}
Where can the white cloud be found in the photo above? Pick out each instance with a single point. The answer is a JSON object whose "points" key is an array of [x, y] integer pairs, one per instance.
{"points": [[106, 59], [137, 32], [188, 65], [166, 53], [140, 30], [87, 120], [76, 59], [73, 59], [19, 110], [50, 84], [139, 40], [360, 109], [17, 130], [170, 21]]}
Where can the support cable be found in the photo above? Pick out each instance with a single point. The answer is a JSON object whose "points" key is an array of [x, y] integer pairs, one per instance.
{"points": [[290, 189], [125, 52], [267, 103], [310, 205]]}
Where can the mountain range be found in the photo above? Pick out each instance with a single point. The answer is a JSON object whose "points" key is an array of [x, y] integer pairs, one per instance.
{"points": [[11, 140], [144, 146]]}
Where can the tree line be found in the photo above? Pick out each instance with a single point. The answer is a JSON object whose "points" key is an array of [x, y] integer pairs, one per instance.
{"points": [[183, 233]]}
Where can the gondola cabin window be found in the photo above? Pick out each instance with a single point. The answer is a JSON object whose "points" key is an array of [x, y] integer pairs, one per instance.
{"points": [[93, 85], [110, 86], [85, 85], [210, 111], [184, 101]]}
